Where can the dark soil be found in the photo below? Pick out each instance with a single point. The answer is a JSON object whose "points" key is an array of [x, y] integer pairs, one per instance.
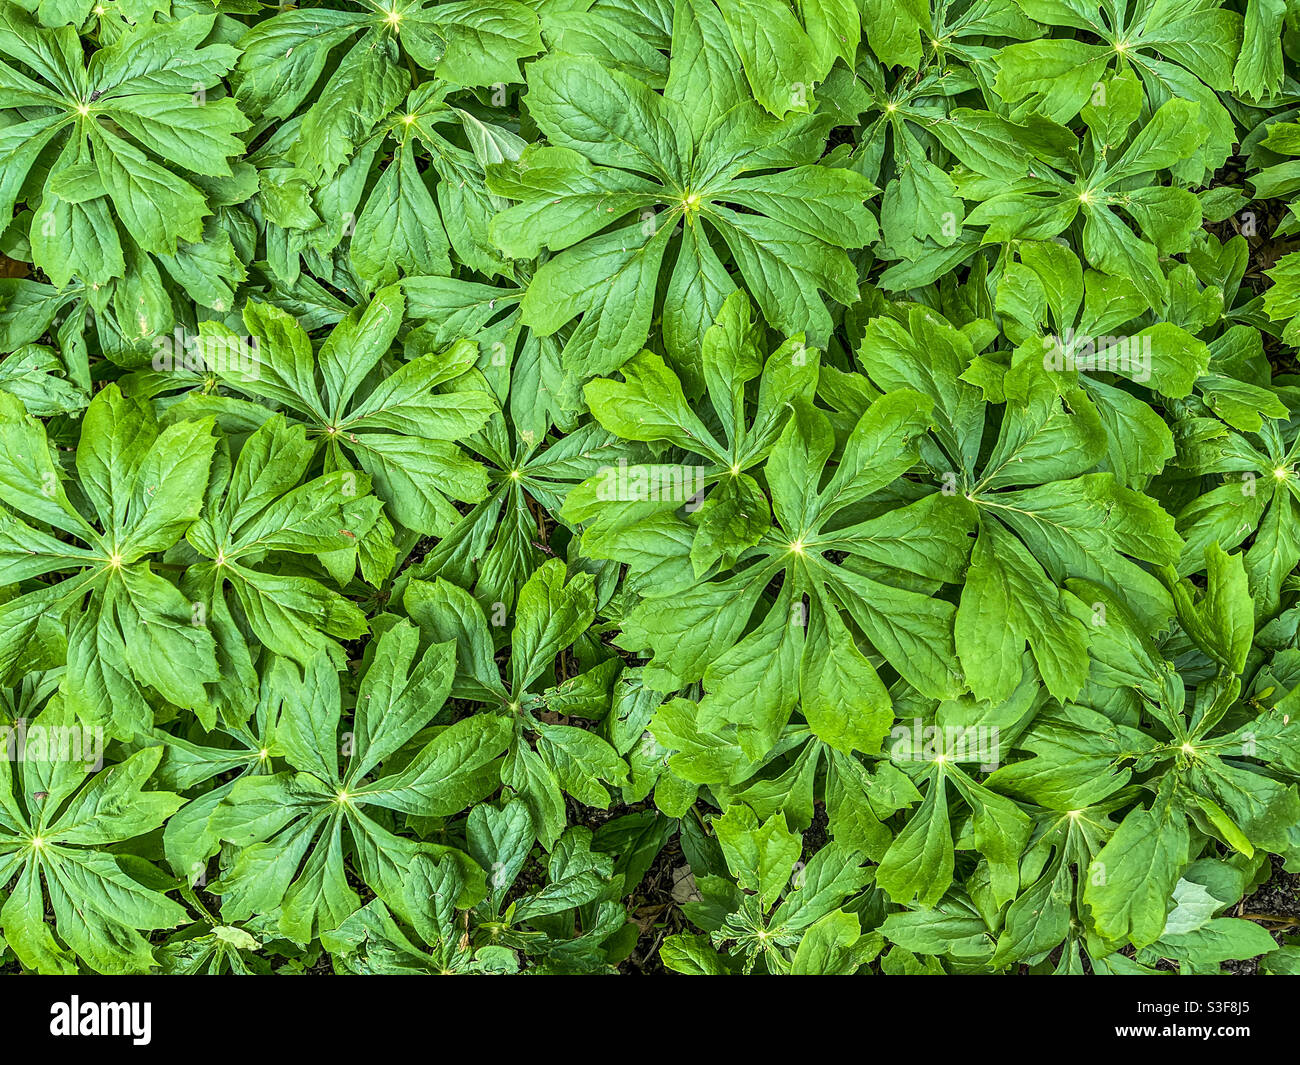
{"points": [[655, 911]]}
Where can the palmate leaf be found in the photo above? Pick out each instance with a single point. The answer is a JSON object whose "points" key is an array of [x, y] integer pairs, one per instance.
{"points": [[560, 926], [629, 172], [1086, 309], [388, 422], [257, 508], [1041, 516], [226, 950], [716, 563], [508, 506], [1195, 769], [124, 140], [805, 933], [138, 489], [563, 925], [283, 58], [499, 544], [384, 208], [460, 145], [1126, 880], [371, 942], [239, 745], [294, 828], [545, 758], [55, 832], [1046, 913], [905, 117], [1243, 473], [754, 677], [1067, 185], [1175, 49]]}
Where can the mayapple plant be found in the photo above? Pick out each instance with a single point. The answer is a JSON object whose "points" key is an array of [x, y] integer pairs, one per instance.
{"points": [[747, 487]]}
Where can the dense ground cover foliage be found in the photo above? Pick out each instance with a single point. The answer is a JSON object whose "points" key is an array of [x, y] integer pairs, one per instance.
{"points": [[725, 486]]}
